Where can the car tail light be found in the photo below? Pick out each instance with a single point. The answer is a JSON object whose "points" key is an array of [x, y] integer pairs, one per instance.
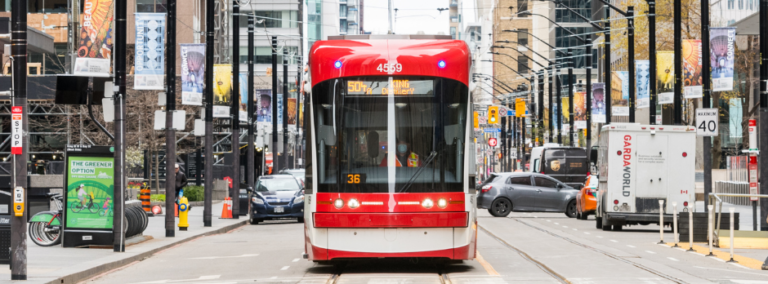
{"points": [[486, 188], [616, 201], [591, 191]]}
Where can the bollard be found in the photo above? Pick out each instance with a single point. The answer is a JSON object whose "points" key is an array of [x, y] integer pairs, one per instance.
{"points": [[710, 227], [732, 210], [183, 213], [674, 223], [661, 221], [690, 227]]}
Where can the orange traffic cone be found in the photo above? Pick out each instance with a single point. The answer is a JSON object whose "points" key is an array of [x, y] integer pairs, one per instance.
{"points": [[226, 211], [175, 210]]}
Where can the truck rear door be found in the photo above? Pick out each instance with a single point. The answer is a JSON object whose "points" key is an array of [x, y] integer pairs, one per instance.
{"points": [[652, 179]]}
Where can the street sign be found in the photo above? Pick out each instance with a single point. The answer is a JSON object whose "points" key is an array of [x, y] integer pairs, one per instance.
{"points": [[706, 122], [492, 142], [492, 130], [519, 107], [17, 124], [753, 177]]}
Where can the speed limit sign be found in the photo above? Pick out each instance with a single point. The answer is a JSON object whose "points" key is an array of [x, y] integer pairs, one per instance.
{"points": [[706, 122]]}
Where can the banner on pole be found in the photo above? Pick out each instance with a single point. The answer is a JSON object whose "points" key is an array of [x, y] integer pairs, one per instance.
{"points": [[665, 77], [291, 112], [721, 41], [222, 90], [692, 81], [94, 50], [566, 113], [192, 73], [598, 103], [580, 110], [620, 93], [243, 114], [264, 107], [643, 74], [149, 56]]}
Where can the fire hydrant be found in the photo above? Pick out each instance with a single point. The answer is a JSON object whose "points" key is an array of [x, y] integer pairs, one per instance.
{"points": [[183, 213]]}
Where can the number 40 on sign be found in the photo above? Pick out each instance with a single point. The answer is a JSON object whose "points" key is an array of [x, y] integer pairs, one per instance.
{"points": [[706, 121]]}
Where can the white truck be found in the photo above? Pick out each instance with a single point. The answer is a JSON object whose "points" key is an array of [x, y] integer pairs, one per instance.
{"points": [[639, 165]]}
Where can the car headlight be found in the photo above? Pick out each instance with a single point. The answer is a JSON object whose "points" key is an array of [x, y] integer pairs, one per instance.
{"points": [[257, 200], [298, 199]]}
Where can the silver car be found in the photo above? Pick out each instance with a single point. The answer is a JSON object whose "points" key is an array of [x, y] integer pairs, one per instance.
{"points": [[503, 193]]}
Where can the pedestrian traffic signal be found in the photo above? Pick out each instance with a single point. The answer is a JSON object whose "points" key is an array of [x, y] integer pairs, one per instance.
{"points": [[493, 115]]}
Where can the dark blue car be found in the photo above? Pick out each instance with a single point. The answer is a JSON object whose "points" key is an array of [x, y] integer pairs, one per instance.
{"points": [[276, 197]]}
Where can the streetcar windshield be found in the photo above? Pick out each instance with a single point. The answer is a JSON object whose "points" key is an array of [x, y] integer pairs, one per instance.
{"points": [[390, 134]]}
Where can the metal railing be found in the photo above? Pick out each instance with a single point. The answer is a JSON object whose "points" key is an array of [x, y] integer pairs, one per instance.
{"points": [[714, 198], [733, 187]]}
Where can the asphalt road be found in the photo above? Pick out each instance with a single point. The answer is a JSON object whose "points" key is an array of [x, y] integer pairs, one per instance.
{"points": [[522, 248]]}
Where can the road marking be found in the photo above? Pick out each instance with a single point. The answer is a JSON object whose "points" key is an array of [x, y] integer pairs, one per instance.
{"points": [[672, 259], [205, 277], [487, 266], [729, 270], [720, 260], [295, 260], [631, 246], [232, 256], [650, 252], [284, 268], [615, 241]]}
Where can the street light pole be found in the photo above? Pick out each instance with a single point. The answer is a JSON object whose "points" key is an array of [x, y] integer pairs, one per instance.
{"points": [[551, 103], [250, 171], [607, 65], [678, 46], [706, 100], [284, 164], [763, 108], [588, 66], [170, 108], [234, 191], [652, 59], [273, 148], [631, 63], [570, 99], [559, 113], [209, 30], [19, 65], [118, 240], [540, 105]]}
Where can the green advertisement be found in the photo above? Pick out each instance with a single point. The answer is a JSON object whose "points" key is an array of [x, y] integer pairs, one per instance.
{"points": [[90, 192]]}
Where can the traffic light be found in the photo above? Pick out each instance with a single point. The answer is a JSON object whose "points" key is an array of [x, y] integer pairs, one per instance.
{"points": [[493, 115]]}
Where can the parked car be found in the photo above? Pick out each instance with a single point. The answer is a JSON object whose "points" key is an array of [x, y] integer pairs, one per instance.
{"points": [[276, 197], [569, 165], [503, 193], [586, 200]]}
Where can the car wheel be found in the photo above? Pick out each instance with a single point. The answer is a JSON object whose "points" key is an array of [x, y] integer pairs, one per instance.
{"points": [[500, 207], [254, 221], [301, 219], [570, 211]]}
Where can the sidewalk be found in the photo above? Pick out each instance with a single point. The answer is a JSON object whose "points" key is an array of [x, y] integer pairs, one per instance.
{"points": [[745, 224], [72, 265]]}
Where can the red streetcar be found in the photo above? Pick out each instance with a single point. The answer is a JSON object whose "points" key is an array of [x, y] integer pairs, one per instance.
{"points": [[388, 137]]}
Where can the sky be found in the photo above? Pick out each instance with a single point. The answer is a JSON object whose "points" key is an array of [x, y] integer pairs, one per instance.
{"points": [[413, 16]]}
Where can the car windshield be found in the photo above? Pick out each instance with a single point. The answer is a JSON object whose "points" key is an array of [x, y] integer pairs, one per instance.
{"points": [[277, 184], [390, 134]]}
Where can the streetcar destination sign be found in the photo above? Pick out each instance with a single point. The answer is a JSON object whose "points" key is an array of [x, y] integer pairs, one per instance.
{"points": [[399, 87]]}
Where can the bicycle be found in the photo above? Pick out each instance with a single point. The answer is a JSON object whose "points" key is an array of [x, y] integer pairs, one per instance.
{"points": [[102, 212], [77, 207], [45, 227]]}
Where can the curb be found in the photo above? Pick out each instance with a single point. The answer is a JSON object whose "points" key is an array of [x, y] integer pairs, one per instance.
{"points": [[725, 256], [106, 267]]}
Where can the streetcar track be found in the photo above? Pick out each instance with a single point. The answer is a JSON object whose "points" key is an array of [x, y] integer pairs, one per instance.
{"points": [[527, 257], [610, 255]]}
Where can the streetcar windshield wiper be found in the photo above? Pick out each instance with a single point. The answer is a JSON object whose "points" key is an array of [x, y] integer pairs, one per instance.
{"points": [[418, 172]]}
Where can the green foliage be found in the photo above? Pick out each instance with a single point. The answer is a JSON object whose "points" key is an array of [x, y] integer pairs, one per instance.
{"points": [[157, 197], [194, 193]]}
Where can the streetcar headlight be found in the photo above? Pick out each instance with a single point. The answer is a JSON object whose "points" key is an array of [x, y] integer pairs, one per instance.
{"points": [[338, 203], [257, 200], [427, 203], [442, 203], [352, 203]]}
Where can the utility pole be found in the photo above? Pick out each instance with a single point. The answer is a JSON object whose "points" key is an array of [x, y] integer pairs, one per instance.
{"points": [[653, 90], [234, 191], [763, 109], [284, 164], [19, 63], [631, 63], [541, 107], [170, 133], [250, 169], [570, 98], [707, 96], [588, 66], [209, 30], [678, 46], [118, 240], [551, 103], [607, 65], [273, 148], [502, 143], [559, 113]]}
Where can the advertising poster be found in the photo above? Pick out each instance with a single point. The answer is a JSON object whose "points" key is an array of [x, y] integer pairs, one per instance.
{"points": [[665, 76], [291, 113], [301, 115], [222, 90], [94, 50], [620, 93], [243, 97], [598, 103], [721, 42], [192, 73], [149, 56], [90, 192], [566, 113], [692, 66], [580, 110], [643, 74], [263, 107], [280, 109]]}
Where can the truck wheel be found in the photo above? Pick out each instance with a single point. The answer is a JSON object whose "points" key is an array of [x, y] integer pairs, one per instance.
{"points": [[606, 226], [570, 210], [617, 227], [598, 223]]}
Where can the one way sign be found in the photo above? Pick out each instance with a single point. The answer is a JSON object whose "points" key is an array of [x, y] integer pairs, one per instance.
{"points": [[16, 130]]}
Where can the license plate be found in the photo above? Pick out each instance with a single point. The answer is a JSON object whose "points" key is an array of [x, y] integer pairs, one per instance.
{"points": [[279, 209]]}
